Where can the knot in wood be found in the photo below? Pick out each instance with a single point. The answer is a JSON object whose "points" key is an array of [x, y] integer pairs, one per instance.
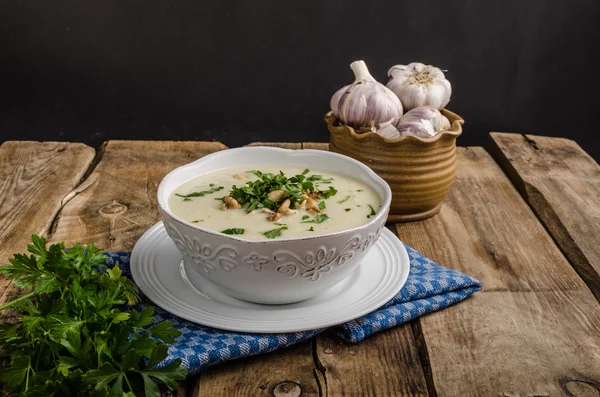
{"points": [[287, 389], [577, 388], [112, 209]]}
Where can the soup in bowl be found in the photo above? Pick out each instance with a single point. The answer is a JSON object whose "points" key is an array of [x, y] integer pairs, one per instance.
{"points": [[271, 225]]}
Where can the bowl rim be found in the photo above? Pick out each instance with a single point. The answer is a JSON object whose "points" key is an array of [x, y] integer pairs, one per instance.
{"points": [[386, 202], [455, 130]]}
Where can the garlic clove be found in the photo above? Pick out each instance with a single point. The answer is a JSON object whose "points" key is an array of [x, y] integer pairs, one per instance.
{"points": [[419, 85], [422, 129], [365, 102], [388, 130], [422, 121]]}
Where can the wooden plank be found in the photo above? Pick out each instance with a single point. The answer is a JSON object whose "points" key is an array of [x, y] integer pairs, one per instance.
{"points": [[120, 202], [315, 145], [385, 364], [535, 328], [288, 372], [561, 183], [284, 145], [34, 179]]}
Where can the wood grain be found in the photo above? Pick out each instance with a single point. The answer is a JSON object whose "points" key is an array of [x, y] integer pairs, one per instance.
{"points": [[315, 145], [561, 183], [290, 370], [385, 364], [535, 324], [34, 179], [120, 202], [284, 145]]}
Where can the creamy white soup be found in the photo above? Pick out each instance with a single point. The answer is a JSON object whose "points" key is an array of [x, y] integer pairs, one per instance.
{"points": [[274, 202]]}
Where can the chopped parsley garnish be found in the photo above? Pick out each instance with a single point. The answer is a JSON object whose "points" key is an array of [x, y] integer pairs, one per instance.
{"points": [[186, 197], [312, 229], [344, 200], [280, 224], [254, 194], [328, 193], [372, 211], [360, 190], [212, 185], [306, 171], [305, 217], [348, 209], [197, 220], [274, 232], [322, 205], [234, 230], [319, 219]]}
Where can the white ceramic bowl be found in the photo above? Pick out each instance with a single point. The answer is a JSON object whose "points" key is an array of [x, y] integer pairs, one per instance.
{"points": [[283, 270]]}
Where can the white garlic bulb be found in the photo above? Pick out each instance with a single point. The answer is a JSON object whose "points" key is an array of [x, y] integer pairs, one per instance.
{"points": [[417, 85], [365, 103], [422, 121]]}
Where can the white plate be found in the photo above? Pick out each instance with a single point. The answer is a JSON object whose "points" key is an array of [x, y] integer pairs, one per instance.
{"points": [[157, 269]]}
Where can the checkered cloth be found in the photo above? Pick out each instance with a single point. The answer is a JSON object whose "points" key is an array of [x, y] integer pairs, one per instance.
{"points": [[429, 287]]}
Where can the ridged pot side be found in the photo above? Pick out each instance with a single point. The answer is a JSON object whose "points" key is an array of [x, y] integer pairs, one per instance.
{"points": [[420, 171]]}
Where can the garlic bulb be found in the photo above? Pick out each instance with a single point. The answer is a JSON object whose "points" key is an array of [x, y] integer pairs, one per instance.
{"points": [[422, 121], [419, 85], [365, 103]]}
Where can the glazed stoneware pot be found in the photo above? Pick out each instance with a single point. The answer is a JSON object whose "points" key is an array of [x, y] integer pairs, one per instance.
{"points": [[282, 270], [420, 171]]}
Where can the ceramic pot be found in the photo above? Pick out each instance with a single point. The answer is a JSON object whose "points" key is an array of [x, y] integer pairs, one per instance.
{"points": [[282, 270], [420, 171]]}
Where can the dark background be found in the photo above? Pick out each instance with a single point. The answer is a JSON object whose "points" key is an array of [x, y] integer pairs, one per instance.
{"points": [[242, 71]]}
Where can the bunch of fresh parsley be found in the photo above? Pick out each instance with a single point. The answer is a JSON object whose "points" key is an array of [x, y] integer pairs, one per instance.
{"points": [[75, 335], [254, 195]]}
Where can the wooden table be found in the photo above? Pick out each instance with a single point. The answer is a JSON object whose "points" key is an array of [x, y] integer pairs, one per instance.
{"points": [[523, 217]]}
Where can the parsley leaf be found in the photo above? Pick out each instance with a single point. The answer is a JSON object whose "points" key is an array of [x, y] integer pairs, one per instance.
{"points": [[319, 219], [372, 211], [348, 209], [274, 232], [322, 205], [305, 217], [328, 193], [344, 200], [306, 171], [186, 197], [234, 230], [312, 229]]}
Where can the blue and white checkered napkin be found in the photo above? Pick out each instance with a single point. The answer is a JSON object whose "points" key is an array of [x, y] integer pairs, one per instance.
{"points": [[429, 287]]}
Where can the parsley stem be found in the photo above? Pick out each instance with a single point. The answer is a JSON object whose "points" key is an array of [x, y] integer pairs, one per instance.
{"points": [[127, 380], [20, 298]]}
